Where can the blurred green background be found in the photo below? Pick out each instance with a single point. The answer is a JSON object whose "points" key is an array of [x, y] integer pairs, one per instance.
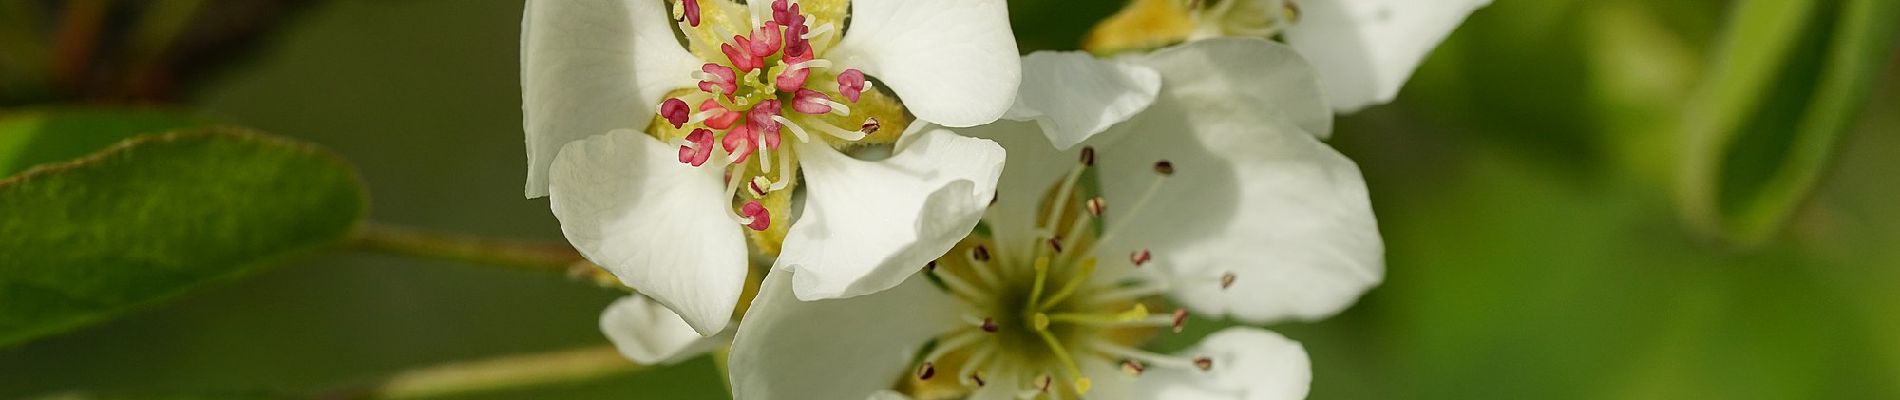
{"points": [[1524, 183]]}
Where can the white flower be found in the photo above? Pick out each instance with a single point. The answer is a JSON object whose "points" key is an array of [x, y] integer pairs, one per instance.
{"points": [[1364, 50], [643, 146], [1218, 198]]}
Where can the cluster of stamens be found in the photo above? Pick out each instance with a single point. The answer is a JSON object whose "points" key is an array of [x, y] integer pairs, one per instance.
{"points": [[743, 99], [1034, 316]]}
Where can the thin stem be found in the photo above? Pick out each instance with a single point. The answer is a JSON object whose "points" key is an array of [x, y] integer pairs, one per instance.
{"points": [[508, 372], [530, 255]]}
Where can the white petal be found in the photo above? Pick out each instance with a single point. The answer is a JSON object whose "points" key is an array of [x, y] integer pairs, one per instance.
{"points": [[1366, 49], [649, 333], [1244, 78], [952, 62], [1256, 197], [1249, 364], [592, 66], [866, 225], [627, 204], [834, 349], [1073, 95]]}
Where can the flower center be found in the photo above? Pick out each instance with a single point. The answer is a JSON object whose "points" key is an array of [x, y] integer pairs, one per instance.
{"points": [[1037, 317], [771, 80]]}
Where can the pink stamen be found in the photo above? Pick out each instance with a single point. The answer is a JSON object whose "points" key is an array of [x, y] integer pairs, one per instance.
{"points": [[739, 143], [771, 139], [724, 82], [811, 102], [698, 147], [766, 40], [783, 11], [692, 11], [795, 30], [760, 118], [722, 118], [758, 217], [754, 186], [792, 79], [851, 84], [740, 55], [675, 112]]}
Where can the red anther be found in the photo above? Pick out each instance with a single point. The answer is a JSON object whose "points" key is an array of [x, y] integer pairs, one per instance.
{"points": [[851, 84], [759, 218], [1132, 367], [760, 118], [739, 143], [811, 102], [753, 186], [692, 11], [721, 118], [771, 139], [1180, 319], [989, 325], [795, 43], [795, 30], [698, 147], [766, 40], [1140, 257], [783, 11], [675, 112], [871, 126], [1203, 363], [926, 371], [741, 55], [792, 79], [723, 82]]}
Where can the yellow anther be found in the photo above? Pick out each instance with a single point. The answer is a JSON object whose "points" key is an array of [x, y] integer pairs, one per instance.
{"points": [[1082, 386], [1040, 322]]}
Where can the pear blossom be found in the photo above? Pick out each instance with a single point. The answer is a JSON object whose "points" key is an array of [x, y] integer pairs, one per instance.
{"points": [[670, 134], [1364, 50], [1215, 199]]}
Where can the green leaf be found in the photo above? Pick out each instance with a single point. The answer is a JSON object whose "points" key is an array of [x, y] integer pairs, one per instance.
{"points": [[39, 136], [158, 215], [1789, 78]]}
